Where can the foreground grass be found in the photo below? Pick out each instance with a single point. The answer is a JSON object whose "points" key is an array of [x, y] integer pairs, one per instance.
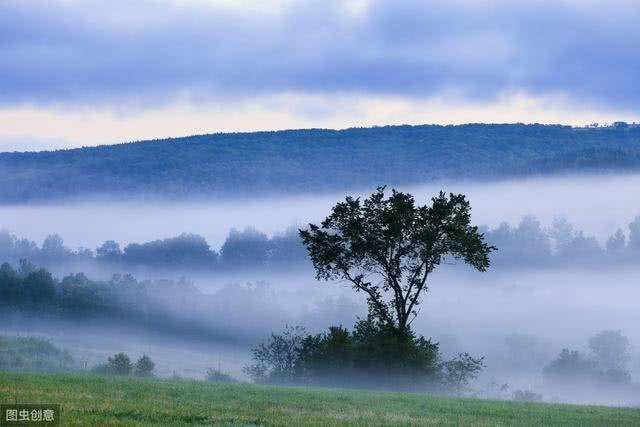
{"points": [[88, 400]]}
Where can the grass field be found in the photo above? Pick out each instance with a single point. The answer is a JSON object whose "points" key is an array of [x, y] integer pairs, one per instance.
{"points": [[87, 400]]}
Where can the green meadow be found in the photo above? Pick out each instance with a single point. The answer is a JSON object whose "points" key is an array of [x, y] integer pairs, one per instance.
{"points": [[112, 401]]}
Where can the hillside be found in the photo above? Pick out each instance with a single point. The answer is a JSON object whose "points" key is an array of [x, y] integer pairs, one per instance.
{"points": [[86, 400], [299, 161]]}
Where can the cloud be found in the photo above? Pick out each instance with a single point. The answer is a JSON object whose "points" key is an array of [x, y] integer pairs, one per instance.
{"points": [[148, 53], [64, 127], [22, 143]]}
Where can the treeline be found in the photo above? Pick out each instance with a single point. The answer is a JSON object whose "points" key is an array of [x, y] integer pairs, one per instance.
{"points": [[530, 244], [605, 366], [527, 244], [29, 293], [301, 161], [241, 249]]}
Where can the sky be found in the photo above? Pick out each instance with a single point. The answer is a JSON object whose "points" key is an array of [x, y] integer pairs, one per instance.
{"points": [[76, 73]]}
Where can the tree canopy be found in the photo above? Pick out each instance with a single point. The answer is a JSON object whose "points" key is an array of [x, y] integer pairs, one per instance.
{"points": [[387, 247]]}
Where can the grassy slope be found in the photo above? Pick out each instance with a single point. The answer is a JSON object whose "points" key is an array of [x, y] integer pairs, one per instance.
{"points": [[120, 401]]}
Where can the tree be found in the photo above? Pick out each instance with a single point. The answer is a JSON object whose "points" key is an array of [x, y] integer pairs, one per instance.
{"points": [[571, 367], [616, 243], [144, 367], [276, 360], [562, 232], [388, 247], [53, 248], [634, 235], [611, 349], [109, 251], [370, 356], [120, 364], [249, 248], [458, 371]]}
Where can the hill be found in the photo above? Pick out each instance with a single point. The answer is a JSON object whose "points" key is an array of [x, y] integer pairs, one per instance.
{"points": [[297, 161], [87, 400]]}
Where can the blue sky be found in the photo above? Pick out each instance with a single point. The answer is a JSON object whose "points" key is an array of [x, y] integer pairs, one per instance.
{"points": [[91, 72]]}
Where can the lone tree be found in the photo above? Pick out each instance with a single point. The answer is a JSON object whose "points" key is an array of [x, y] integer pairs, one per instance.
{"points": [[388, 247]]}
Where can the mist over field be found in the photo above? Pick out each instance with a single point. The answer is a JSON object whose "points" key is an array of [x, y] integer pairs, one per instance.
{"points": [[519, 318], [597, 204], [331, 212]]}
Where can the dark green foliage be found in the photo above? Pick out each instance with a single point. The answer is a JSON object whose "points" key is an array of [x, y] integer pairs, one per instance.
{"points": [[120, 364], [216, 375], [33, 354], [387, 247], [328, 358], [372, 356], [275, 361], [144, 367], [315, 160]]}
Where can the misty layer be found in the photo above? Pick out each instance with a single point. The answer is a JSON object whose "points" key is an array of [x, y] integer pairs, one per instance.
{"points": [[528, 244], [175, 308]]}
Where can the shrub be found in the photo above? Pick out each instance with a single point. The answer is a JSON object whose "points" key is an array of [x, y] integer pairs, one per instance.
{"points": [[526, 396], [459, 371], [371, 356], [33, 354], [102, 369], [275, 362], [216, 375]]}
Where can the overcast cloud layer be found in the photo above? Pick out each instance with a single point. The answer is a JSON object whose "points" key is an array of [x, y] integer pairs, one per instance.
{"points": [[148, 52], [91, 72]]}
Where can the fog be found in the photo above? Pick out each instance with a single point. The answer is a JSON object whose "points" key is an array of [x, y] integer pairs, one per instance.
{"points": [[596, 204], [552, 308]]}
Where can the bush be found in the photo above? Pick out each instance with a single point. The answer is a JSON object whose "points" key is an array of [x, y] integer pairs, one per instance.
{"points": [[102, 369], [216, 375], [526, 396], [371, 356], [144, 367], [33, 354], [275, 362], [459, 371]]}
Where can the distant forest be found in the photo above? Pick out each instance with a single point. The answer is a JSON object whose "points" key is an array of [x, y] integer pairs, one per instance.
{"points": [[296, 161], [178, 308], [527, 244]]}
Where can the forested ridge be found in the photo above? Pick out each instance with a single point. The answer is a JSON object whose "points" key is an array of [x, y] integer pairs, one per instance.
{"points": [[296, 161]]}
